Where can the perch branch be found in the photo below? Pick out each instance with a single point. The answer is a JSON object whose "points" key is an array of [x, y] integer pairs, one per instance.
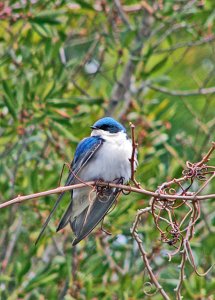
{"points": [[20, 199]]}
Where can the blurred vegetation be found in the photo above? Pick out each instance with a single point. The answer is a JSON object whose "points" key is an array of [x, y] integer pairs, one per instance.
{"points": [[60, 63]]}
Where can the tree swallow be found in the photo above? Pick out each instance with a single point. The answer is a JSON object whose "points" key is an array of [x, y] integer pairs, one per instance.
{"points": [[105, 155]]}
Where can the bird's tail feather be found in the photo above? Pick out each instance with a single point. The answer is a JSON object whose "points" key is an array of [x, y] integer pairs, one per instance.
{"points": [[92, 215], [49, 217], [68, 182], [66, 217]]}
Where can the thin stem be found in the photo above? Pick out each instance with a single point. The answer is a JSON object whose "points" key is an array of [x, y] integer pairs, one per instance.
{"points": [[144, 253]]}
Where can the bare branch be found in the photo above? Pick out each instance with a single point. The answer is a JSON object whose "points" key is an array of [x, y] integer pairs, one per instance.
{"points": [[122, 14], [133, 157], [121, 88], [182, 276], [205, 40], [144, 254], [164, 197], [201, 91]]}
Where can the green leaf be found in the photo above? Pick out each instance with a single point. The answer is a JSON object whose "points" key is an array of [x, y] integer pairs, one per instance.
{"points": [[9, 100], [85, 4], [40, 280], [159, 65], [42, 30], [72, 102], [49, 17], [25, 267], [64, 132]]}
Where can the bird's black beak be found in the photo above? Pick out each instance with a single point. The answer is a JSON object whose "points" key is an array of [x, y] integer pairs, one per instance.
{"points": [[93, 127]]}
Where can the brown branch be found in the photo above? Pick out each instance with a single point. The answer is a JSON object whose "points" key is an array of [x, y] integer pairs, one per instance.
{"points": [[122, 14], [144, 253], [186, 251], [187, 93], [205, 40], [205, 184], [107, 251], [180, 228], [11, 245], [181, 276], [163, 197], [189, 234], [133, 159], [121, 88], [205, 159]]}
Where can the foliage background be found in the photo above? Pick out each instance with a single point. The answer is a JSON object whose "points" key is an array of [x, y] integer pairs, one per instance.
{"points": [[65, 64]]}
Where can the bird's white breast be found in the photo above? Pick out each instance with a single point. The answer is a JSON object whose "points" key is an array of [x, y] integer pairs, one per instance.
{"points": [[111, 161]]}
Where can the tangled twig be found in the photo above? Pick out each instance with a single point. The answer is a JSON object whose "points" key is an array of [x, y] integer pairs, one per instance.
{"points": [[179, 229]]}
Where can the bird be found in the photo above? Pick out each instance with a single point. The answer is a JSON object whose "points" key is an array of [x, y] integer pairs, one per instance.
{"points": [[103, 156]]}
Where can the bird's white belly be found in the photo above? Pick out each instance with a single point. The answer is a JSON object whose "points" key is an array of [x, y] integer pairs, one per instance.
{"points": [[110, 162]]}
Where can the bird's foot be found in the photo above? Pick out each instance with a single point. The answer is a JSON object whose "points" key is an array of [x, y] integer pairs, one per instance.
{"points": [[119, 180], [101, 190]]}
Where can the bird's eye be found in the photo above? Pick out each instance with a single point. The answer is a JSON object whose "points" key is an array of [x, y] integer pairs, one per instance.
{"points": [[104, 127]]}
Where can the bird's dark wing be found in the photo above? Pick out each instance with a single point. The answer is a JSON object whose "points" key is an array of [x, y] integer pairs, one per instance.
{"points": [[66, 216], [93, 214], [84, 152]]}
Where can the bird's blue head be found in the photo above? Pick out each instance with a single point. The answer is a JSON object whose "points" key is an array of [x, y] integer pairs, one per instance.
{"points": [[108, 124]]}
